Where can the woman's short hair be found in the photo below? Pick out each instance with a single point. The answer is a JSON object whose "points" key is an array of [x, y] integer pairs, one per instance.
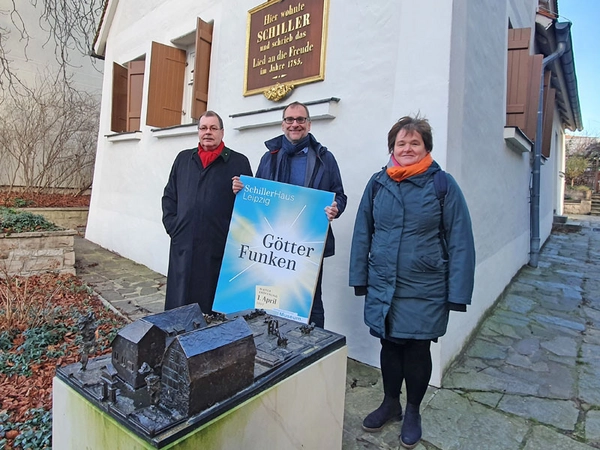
{"points": [[409, 125]]}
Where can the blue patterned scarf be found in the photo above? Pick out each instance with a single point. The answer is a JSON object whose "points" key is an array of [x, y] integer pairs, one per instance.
{"points": [[289, 149]]}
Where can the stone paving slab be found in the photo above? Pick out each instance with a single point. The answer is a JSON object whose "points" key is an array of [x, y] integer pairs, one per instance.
{"points": [[561, 414], [543, 438], [452, 422], [529, 379]]}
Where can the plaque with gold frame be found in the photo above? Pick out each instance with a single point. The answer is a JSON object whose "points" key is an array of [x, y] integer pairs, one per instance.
{"points": [[285, 46]]}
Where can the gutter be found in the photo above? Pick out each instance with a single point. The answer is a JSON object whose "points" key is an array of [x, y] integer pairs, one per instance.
{"points": [[562, 33]]}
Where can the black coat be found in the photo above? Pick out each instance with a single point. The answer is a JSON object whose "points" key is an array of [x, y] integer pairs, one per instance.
{"points": [[197, 205]]}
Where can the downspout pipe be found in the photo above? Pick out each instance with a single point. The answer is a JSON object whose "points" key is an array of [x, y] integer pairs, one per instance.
{"points": [[562, 33]]}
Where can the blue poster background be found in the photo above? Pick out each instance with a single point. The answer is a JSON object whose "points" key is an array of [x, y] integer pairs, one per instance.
{"points": [[274, 249]]}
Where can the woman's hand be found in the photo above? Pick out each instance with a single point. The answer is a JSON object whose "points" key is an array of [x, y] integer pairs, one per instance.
{"points": [[236, 185]]}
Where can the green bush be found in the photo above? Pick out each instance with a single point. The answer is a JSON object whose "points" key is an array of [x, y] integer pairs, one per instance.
{"points": [[574, 168], [581, 188], [22, 203], [12, 221]]}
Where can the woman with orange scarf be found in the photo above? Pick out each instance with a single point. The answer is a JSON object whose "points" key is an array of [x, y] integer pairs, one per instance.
{"points": [[413, 258]]}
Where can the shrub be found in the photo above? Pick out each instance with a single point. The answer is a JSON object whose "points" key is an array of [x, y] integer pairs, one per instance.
{"points": [[12, 221], [581, 188], [574, 168], [22, 202]]}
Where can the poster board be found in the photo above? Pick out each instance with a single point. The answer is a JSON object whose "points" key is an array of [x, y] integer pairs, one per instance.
{"points": [[274, 249]]}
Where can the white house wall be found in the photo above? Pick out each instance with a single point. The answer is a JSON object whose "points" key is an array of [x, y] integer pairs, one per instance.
{"points": [[385, 59], [560, 146]]}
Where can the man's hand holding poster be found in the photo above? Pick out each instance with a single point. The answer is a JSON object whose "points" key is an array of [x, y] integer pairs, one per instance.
{"points": [[274, 249]]}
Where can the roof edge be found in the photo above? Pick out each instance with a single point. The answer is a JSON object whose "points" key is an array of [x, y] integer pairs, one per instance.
{"points": [[99, 44]]}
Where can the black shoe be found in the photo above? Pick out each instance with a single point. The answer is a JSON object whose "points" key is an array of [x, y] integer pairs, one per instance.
{"points": [[389, 409], [411, 427]]}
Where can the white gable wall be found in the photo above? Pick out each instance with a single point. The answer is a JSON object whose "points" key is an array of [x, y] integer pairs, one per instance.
{"points": [[385, 59]]}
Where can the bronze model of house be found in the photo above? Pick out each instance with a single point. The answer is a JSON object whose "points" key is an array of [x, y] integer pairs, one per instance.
{"points": [[145, 341], [206, 366]]}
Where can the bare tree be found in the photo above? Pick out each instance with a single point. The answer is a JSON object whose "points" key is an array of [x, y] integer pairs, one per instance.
{"points": [[69, 27], [48, 121], [48, 138]]}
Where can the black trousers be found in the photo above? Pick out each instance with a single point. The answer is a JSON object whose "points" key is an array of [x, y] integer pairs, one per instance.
{"points": [[317, 313], [406, 361]]}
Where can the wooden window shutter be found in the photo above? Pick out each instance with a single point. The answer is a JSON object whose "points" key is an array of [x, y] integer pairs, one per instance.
{"points": [[118, 121], [535, 78], [201, 68], [548, 117], [523, 82], [165, 91], [135, 89]]}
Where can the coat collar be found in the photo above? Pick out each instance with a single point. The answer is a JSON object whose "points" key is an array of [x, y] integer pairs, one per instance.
{"points": [[276, 143]]}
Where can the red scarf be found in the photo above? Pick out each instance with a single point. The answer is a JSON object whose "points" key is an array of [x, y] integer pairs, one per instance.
{"points": [[208, 156], [399, 173]]}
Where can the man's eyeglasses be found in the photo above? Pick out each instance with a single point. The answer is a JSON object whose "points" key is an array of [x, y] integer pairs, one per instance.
{"points": [[204, 128], [290, 120]]}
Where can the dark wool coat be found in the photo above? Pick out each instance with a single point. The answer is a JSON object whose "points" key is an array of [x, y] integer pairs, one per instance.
{"points": [[197, 206], [397, 254], [323, 171]]}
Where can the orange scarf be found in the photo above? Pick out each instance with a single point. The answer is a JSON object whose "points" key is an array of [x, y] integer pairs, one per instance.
{"points": [[399, 173]]}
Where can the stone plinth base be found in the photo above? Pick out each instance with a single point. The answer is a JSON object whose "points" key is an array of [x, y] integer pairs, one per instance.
{"points": [[304, 411]]}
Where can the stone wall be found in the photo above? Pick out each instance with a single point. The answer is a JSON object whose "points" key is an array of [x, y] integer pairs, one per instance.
{"points": [[34, 253], [577, 194], [581, 207], [70, 218]]}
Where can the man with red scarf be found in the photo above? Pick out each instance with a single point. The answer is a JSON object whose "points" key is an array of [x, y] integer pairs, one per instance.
{"points": [[197, 204]]}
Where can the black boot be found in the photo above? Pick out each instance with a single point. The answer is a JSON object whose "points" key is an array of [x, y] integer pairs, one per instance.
{"points": [[411, 427], [389, 409]]}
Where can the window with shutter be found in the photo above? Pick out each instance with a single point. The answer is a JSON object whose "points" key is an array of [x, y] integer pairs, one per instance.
{"points": [[524, 75], [118, 121], [201, 68], [188, 84], [177, 84], [165, 90], [135, 90], [127, 92], [548, 114]]}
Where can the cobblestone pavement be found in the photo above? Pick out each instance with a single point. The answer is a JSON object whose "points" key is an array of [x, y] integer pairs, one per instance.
{"points": [[530, 377], [528, 380], [132, 288]]}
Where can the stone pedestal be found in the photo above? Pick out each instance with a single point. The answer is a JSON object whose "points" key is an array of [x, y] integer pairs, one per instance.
{"points": [[304, 411]]}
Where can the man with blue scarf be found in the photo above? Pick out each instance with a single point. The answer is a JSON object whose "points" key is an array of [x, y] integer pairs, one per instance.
{"points": [[296, 157]]}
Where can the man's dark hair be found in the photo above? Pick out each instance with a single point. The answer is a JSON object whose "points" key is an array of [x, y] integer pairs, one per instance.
{"points": [[211, 114], [409, 125], [297, 104]]}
